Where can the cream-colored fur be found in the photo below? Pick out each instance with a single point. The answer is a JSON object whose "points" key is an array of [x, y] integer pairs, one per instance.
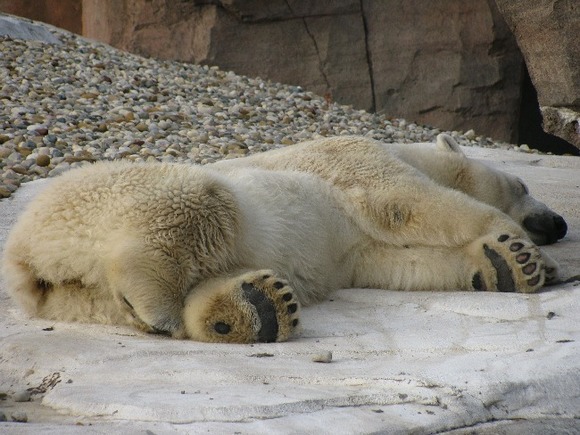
{"points": [[226, 252]]}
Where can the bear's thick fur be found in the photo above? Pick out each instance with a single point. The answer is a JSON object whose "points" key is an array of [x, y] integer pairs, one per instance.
{"points": [[228, 252]]}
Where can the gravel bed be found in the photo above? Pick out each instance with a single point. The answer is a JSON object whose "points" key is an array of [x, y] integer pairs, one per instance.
{"points": [[70, 104]]}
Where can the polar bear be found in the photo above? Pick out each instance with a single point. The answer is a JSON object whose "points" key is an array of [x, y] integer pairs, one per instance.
{"points": [[228, 252]]}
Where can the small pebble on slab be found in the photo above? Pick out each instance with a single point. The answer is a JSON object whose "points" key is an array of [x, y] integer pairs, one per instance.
{"points": [[324, 357]]}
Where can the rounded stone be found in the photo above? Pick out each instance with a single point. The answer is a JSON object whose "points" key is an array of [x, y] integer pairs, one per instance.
{"points": [[4, 152], [4, 191], [19, 417], [22, 396], [325, 357], [43, 160], [19, 169]]}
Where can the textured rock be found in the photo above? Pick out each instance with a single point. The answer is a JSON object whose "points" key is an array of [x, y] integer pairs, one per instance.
{"points": [[449, 63], [62, 13], [562, 122], [445, 63], [287, 42], [548, 32]]}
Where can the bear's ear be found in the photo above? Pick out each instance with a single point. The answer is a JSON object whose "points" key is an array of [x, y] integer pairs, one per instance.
{"points": [[447, 143]]}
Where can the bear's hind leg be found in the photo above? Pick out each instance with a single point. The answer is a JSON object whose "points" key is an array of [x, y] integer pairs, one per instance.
{"points": [[251, 307]]}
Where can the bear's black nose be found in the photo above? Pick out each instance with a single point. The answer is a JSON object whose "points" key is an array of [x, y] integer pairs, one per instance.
{"points": [[545, 229], [561, 227]]}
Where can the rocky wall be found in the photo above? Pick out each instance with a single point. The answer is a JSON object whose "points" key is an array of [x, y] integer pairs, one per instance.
{"points": [[448, 63], [548, 33]]}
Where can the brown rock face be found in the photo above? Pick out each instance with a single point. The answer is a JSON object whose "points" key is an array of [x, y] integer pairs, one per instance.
{"points": [[548, 33], [452, 64], [449, 63], [65, 14]]}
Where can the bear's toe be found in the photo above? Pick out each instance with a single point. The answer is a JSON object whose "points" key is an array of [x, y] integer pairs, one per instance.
{"points": [[478, 283], [222, 328]]}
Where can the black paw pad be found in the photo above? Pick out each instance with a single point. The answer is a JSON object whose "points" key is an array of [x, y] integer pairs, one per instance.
{"points": [[530, 268], [266, 312], [516, 246], [505, 281], [278, 285], [523, 258], [478, 283], [292, 308], [534, 281], [550, 270], [503, 238], [222, 328], [287, 296], [295, 323]]}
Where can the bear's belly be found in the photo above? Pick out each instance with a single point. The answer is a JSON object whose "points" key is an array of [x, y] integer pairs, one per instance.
{"points": [[292, 223]]}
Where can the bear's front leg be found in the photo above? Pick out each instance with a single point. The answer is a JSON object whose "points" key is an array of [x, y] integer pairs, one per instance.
{"points": [[251, 307]]}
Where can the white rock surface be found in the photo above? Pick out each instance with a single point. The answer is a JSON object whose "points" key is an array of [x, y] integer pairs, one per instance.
{"points": [[21, 28], [402, 362]]}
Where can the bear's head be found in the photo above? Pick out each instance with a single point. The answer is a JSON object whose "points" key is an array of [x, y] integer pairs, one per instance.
{"points": [[509, 194]]}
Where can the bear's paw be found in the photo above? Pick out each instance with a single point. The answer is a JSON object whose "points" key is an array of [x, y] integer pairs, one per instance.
{"points": [[252, 307], [509, 264]]}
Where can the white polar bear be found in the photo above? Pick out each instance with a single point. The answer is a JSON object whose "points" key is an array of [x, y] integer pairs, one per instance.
{"points": [[228, 252]]}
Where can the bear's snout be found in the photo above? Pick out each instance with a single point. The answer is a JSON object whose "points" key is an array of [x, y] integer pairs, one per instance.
{"points": [[545, 229]]}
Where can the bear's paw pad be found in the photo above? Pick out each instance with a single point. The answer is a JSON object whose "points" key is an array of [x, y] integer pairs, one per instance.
{"points": [[516, 264]]}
